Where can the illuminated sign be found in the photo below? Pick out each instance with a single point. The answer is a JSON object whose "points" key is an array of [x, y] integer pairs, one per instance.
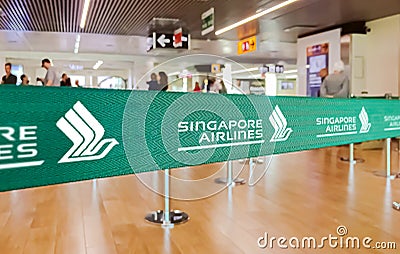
{"points": [[247, 45]]}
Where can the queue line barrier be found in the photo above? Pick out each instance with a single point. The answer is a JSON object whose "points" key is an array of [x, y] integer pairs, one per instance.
{"points": [[52, 135]]}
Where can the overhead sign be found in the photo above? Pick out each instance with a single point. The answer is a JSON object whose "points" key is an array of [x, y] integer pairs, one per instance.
{"points": [[178, 40], [207, 20], [271, 68], [45, 142], [247, 45], [215, 68]]}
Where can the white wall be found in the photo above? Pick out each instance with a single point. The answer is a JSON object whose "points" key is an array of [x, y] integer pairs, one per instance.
{"points": [[331, 37], [377, 55]]}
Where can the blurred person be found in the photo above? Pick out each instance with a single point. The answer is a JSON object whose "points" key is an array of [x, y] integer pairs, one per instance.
{"points": [[206, 85], [163, 81], [323, 73], [197, 88], [213, 86], [52, 78], [222, 88], [65, 80], [153, 83], [9, 78], [24, 80], [336, 85], [77, 83]]}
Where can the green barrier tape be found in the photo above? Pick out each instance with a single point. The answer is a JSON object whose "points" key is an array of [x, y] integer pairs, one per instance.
{"points": [[54, 135]]}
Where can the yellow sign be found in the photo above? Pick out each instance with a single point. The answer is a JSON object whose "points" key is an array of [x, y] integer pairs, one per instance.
{"points": [[215, 68], [247, 45]]}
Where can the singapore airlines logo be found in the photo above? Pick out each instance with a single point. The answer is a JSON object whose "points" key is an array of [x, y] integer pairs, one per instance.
{"points": [[86, 133], [365, 124], [279, 123]]}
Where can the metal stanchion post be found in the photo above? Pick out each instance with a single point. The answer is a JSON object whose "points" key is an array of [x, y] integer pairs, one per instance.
{"points": [[387, 173], [251, 169], [388, 151], [168, 218], [229, 173], [229, 179], [351, 158], [352, 161]]}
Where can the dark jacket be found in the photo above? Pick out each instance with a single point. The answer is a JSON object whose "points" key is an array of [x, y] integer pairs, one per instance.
{"points": [[153, 85], [10, 80]]}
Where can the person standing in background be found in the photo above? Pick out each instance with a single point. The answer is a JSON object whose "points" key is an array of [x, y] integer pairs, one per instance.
{"points": [[24, 80], [52, 78], [163, 81], [9, 78], [323, 73], [197, 88], [222, 89], [336, 85], [153, 84], [65, 81]]}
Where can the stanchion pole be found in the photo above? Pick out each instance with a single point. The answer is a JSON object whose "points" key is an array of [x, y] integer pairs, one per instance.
{"points": [[167, 219], [388, 151], [352, 161], [229, 177], [387, 173], [251, 170]]}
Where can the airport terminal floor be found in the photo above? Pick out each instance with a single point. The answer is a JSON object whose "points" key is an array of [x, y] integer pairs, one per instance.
{"points": [[304, 194]]}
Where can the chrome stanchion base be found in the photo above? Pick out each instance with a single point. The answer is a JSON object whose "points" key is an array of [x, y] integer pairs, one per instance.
{"points": [[224, 180], [258, 160], [176, 217], [347, 159], [383, 173], [396, 206]]}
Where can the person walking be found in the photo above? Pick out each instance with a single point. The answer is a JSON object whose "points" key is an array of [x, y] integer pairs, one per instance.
{"points": [[52, 78]]}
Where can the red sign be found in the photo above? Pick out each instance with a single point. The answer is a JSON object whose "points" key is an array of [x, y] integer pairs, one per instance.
{"points": [[178, 38]]}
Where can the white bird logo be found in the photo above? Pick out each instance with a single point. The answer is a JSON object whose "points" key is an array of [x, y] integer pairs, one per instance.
{"points": [[278, 121], [86, 133]]}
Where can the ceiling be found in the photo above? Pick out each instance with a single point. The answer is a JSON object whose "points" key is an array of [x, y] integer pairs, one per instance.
{"points": [[132, 17], [119, 27]]}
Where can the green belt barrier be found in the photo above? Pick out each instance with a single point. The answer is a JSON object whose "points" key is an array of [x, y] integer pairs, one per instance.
{"points": [[51, 135]]}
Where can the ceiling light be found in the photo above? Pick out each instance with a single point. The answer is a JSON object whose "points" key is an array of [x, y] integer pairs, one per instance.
{"points": [[299, 28], [97, 65], [290, 71], [255, 16], [174, 73], [77, 42], [245, 70], [84, 13]]}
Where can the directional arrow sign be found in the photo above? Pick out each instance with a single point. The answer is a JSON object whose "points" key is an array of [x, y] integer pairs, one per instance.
{"points": [[162, 40], [168, 41]]}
